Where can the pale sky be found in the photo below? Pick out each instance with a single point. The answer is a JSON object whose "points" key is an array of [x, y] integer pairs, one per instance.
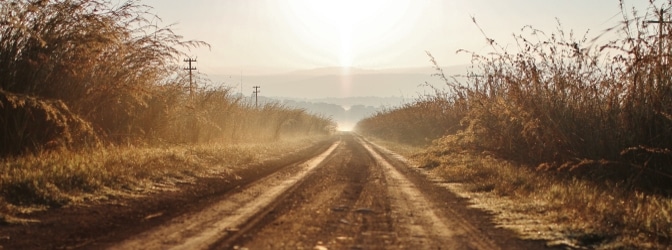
{"points": [[250, 35]]}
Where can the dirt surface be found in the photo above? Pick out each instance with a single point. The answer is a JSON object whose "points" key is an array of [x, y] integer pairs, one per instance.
{"points": [[91, 226], [343, 194], [364, 199]]}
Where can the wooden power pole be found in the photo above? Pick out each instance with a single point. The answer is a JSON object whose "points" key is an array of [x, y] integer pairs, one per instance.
{"points": [[256, 95], [660, 23], [191, 84]]}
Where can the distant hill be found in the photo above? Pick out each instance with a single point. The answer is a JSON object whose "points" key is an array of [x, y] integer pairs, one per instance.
{"points": [[338, 82], [345, 95], [344, 111], [347, 102]]}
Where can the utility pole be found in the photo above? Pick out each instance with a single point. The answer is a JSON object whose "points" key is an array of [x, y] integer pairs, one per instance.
{"points": [[256, 95], [191, 84], [660, 23]]}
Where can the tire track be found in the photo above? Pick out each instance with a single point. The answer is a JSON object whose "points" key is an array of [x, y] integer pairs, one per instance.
{"points": [[336, 208], [355, 195], [223, 219], [427, 229], [389, 212]]}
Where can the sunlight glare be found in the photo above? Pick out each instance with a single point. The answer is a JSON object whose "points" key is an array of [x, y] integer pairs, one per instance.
{"points": [[346, 30], [346, 47], [345, 126], [346, 81], [343, 14]]}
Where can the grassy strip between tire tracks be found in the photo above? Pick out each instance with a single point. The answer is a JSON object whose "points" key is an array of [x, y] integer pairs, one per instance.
{"points": [[565, 212], [38, 182]]}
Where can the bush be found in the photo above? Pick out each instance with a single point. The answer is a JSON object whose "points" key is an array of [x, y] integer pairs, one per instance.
{"points": [[560, 102], [78, 69], [417, 123], [29, 124]]}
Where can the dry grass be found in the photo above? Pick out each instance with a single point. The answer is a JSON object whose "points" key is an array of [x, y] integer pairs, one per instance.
{"points": [[557, 101], [563, 211], [416, 123], [59, 179], [107, 71], [94, 102], [581, 129], [403, 149], [561, 102]]}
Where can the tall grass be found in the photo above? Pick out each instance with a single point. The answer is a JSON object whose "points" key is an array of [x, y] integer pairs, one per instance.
{"points": [[579, 129], [416, 123], [93, 98], [54, 179], [537, 205], [565, 102], [79, 73], [215, 115]]}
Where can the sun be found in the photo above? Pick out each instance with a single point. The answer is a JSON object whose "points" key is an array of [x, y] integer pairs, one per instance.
{"points": [[345, 54], [343, 30], [343, 14]]}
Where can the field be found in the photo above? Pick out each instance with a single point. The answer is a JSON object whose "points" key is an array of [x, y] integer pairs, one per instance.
{"points": [[94, 102], [580, 128], [572, 132]]}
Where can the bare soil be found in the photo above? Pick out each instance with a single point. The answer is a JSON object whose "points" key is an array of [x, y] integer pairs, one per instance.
{"points": [[91, 225], [357, 201], [354, 197]]}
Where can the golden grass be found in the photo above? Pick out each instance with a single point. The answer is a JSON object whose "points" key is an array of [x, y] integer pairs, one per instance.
{"points": [[57, 179], [79, 72], [94, 103], [405, 150], [562, 210], [574, 132], [416, 123], [558, 101]]}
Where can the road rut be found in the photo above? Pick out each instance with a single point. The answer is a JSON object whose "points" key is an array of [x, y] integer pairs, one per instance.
{"points": [[355, 195]]}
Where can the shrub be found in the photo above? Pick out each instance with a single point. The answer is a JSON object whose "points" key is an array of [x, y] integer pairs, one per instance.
{"points": [[561, 102], [74, 69], [30, 124]]}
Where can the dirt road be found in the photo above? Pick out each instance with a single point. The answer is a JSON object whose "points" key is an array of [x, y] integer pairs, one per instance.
{"points": [[351, 196], [347, 194]]}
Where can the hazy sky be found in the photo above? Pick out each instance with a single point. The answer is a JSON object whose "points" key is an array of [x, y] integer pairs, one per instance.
{"points": [[303, 34]]}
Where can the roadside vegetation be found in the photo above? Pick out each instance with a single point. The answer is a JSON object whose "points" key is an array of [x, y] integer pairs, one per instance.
{"points": [[93, 96], [55, 179], [579, 126]]}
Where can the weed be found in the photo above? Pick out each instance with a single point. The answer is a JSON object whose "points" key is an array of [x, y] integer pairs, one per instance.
{"points": [[55, 179], [78, 73], [599, 215], [559, 102], [585, 128]]}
